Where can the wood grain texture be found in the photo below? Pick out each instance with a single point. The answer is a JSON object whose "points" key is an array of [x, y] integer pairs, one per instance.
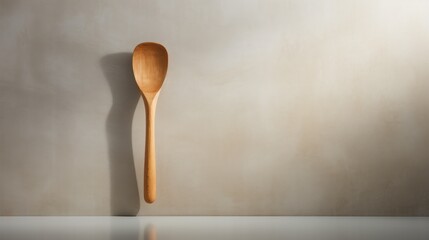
{"points": [[150, 62]]}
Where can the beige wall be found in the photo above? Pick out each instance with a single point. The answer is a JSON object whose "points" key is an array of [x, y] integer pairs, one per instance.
{"points": [[269, 107]]}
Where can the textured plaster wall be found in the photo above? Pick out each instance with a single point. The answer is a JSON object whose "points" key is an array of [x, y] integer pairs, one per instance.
{"points": [[268, 108]]}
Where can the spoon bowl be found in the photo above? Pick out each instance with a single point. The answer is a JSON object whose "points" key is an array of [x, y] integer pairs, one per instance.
{"points": [[150, 62]]}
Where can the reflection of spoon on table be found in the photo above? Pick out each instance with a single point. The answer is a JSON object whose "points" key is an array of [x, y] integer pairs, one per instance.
{"points": [[150, 232], [150, 62]]}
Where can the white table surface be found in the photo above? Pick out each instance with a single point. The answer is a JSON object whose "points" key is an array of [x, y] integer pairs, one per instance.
{"points": [[202, 228]]}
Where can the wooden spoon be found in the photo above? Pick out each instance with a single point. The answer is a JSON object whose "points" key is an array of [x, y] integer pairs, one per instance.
{"points": [[150, 62]]}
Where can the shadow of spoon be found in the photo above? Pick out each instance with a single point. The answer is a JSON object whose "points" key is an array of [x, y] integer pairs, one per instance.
{"points": [[117, 69]]}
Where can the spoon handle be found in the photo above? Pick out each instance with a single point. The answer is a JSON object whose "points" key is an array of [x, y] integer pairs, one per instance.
{"points": [[150, 164]]}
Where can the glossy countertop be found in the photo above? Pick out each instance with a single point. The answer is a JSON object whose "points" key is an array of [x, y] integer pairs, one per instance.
{"points": [[202, 228]]}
